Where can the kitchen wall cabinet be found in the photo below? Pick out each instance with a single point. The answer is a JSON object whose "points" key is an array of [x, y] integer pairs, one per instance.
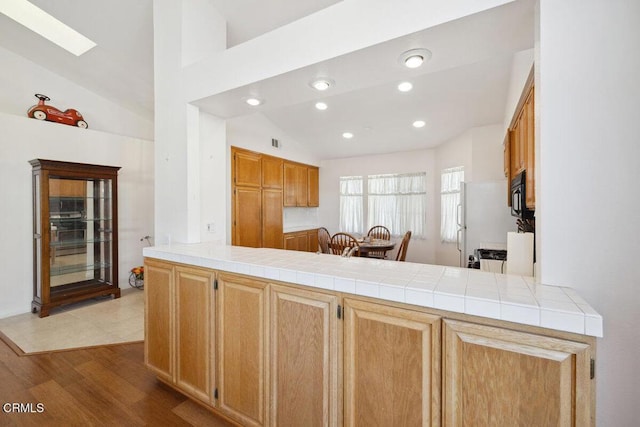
{"points": [[247, 168], [305, 240], [75, 233], [500, 377], [304, 358], [242, 349], [391, 365], [178, 348], [300, 185], [519, 145]]}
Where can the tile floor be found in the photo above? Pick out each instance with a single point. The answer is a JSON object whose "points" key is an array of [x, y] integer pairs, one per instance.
{"points": [[93, 322]]}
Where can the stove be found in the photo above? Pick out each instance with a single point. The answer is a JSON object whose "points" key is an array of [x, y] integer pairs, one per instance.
{"points": [[492, 260], [495, 254]]}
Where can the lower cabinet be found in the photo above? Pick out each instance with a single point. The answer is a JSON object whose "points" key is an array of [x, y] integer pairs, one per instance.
{"points": [[270, 354], [391, 366], [306, 240], [179, 348], [304, 358], [500, 377], [242, 349]]}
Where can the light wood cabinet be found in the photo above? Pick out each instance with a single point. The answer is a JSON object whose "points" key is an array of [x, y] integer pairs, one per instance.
{"points": [[300, 185], [519, 145], [391, 366], [194, 331], [304, 358], [159, 329], [247, 217], [247, 168], [272, 172], [305, 240], [242, 349], [272, 236], [500, 377], [179, 313]]}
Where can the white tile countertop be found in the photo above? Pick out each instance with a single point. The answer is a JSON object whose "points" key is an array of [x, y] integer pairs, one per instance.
{"points": [[497, 296]]}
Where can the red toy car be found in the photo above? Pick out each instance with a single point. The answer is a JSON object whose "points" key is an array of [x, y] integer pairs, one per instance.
{"points": [[47, 112]]}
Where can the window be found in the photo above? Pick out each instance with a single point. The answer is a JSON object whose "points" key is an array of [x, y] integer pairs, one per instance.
{"points": [[351, 204], [450, 185], [397, 201]]}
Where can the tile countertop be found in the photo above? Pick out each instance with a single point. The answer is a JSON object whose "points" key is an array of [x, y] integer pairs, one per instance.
{"points": [[497, 296]]}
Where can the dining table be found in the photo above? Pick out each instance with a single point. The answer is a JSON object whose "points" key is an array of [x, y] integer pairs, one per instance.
{"points": [[369, 246]]}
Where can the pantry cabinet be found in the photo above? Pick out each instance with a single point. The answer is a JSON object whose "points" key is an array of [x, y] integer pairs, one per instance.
{"points": [[500, 377], [391, 366]]}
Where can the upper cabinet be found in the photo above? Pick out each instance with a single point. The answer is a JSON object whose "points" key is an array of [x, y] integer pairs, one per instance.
{"points": [[272, 172], [519, 144], [247, 169], [300, 185]]}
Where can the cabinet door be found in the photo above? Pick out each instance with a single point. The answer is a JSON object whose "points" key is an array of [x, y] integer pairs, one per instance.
{"points": [[247, 171], [247, 217], [158, 319], [391, 366], [194, 332], [499, 377], [304, 358], [290, 184], [291, 241], [272, 172], [530, 158], [272, 219], [312, 236], [242, 351], [302, 184], [313, 197]]}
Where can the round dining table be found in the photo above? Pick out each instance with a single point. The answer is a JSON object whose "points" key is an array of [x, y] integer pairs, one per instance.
{"points": [[369, 246]]}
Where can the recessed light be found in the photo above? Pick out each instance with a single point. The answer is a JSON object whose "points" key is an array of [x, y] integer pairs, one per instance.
{"points": [[347, 135], [414, 58], [321, 84], [321, 106], [254, 102], [419, 124], [405, 87], [40, 22]]}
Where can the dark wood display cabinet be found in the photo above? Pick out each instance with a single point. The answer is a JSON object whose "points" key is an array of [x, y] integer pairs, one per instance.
{"points": [[75, 233]]}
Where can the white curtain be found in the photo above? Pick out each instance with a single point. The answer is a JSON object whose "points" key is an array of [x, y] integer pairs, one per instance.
{"points": [[399, 202], [351, 194], [449, 200]]}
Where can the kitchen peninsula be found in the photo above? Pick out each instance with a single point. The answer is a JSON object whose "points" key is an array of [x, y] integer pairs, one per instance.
{"points": [[273, 337]]}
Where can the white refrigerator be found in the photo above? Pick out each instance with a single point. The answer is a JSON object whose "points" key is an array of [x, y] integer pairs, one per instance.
{"points": [[483, 218]]}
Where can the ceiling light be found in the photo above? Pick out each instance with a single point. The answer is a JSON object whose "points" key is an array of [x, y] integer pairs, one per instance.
{"points": [[254, 102], [321, 84], [419, 124], [40, 22], [414, 58], [405, 87], [347, 135], [321, 106]]}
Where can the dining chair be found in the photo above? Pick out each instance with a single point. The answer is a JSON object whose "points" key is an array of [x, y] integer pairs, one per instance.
{"points": [[402, 250], [324, 238], [378, 232], [340, 241]]}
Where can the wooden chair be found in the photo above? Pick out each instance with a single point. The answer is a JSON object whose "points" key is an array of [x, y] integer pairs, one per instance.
{"points": [[340, 241], [378, 232], [402, 250], [324, 239]]}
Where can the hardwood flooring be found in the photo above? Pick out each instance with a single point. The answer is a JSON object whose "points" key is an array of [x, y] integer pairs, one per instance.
{"points": [[98, 386]]}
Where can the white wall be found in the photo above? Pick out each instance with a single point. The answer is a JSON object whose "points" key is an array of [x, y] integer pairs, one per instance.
{"points": [[25, 139], [588, 95], [21, 79], [420, 250]]}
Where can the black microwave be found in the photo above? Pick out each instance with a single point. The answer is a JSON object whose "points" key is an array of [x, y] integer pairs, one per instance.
{"points": [[519, 197]]}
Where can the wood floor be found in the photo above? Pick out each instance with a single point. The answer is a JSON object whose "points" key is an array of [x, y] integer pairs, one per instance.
{"points": [[100, 386]]}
